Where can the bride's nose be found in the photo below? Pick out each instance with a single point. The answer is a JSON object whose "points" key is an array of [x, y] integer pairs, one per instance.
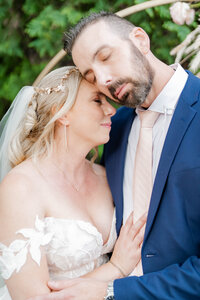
{"points": [[109, 110]]}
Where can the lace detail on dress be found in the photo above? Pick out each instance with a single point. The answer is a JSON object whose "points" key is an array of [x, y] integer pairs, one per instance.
{"points": [[72, 248], [76, 247], [14, 256]]}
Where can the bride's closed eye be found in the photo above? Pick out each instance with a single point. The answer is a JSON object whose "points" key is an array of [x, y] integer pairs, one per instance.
{"points": [[98, 100], [105, 57]]}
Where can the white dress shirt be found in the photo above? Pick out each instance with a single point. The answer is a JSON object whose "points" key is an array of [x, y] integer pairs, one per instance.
{"points": [[165, 104]]}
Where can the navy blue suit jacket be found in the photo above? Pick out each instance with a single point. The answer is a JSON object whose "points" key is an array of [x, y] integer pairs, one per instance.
{"points": [[171, 248]]}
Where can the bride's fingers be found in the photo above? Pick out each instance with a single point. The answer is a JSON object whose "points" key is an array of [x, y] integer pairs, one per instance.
{"points": [[129, 224], [61, 284], [138, 240], [138, 225]]}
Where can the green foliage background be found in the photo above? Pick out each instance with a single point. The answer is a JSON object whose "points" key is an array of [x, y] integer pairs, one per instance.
{"points": [[31, 34]]}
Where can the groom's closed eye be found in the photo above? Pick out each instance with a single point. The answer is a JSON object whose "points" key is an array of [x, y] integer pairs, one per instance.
{"points": [[89, 76]]}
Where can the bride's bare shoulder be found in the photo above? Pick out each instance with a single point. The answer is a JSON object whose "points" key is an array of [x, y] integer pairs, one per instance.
{"points": [[21, 170], [18, 181], [20, 194], [19, 201]]}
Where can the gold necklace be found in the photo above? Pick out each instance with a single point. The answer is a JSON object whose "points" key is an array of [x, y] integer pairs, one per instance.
{"points": [[75, 186]]}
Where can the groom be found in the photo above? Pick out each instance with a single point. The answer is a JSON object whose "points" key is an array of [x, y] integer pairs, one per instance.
{"points": [[115, 56]]}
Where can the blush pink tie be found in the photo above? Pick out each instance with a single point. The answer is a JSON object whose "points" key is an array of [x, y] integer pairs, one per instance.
{"points": [[142, 177]]}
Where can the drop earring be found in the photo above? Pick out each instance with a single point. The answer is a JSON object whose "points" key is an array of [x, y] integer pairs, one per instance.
{"points": [[65, 138]]}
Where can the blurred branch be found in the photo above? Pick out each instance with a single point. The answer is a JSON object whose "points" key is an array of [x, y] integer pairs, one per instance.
{"points": [[50, 66], [189, 47], [148, 4]]}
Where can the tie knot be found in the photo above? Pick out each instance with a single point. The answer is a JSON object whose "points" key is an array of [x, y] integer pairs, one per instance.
{"points": [[148, 118]]}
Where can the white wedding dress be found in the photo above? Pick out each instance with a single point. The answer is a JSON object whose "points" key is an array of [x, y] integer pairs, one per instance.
{"points": [[72, 247]]}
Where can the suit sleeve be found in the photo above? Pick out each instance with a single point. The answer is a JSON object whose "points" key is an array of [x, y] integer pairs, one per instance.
{"points": [[180, 282]]}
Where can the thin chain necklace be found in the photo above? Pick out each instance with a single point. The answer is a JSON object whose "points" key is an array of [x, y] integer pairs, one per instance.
{"points": [[75, 186]]}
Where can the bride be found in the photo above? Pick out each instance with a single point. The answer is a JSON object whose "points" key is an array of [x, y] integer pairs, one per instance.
{"points": [[57, 218]]}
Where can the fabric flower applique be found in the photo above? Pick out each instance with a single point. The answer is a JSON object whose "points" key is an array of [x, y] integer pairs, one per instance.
{"points": [[15, 255]]}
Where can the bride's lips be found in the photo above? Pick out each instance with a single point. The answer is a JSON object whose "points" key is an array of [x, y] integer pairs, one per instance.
{"points": [[107, 124], [119, 91]]}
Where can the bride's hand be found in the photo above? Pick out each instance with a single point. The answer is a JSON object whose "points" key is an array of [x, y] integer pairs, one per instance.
{"points": [[127, 250]]}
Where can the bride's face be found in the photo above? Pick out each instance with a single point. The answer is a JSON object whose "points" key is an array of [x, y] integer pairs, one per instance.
{"points": [[90, 117]]}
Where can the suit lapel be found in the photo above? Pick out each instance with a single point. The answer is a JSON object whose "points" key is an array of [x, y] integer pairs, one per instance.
{"points": [[182, 117], [116, 162]]}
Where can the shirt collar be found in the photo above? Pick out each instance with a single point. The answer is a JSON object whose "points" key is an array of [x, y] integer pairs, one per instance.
{"points": [[166, 101]]}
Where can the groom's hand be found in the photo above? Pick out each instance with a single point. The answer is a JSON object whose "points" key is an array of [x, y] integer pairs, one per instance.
{"points": [[76, 289]]}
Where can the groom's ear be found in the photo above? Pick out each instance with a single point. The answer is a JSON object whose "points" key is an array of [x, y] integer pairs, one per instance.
{"points": [[140, 39]]}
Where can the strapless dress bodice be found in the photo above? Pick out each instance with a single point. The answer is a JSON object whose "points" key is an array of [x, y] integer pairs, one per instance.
{"points": [[76, 247], [73, 248]]}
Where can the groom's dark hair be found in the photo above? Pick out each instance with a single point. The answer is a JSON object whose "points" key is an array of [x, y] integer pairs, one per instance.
{"points": [[119, 25]]}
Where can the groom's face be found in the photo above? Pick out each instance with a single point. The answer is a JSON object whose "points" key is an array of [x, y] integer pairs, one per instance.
{"points": [[114, 65]]}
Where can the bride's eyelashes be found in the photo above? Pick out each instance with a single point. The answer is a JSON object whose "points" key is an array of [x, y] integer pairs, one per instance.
{"points": [[97, 100], [105, 58]]}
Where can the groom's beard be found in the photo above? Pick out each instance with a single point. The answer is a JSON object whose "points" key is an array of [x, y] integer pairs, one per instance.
{"points": [[138, 89], [135, 95]]}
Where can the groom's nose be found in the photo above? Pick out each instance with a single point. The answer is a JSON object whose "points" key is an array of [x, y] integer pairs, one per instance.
{"points": [[103, 78]]}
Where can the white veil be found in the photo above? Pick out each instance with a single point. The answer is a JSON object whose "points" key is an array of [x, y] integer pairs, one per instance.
{"points": [[9, 124]]}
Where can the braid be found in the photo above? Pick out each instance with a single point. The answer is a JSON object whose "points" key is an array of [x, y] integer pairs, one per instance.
{"points": [[22, 142], [34, 136], [31, 118]]}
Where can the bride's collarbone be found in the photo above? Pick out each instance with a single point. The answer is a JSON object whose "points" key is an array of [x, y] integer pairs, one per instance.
{"points": [[93, 208], [91, 203], [88, 187]]}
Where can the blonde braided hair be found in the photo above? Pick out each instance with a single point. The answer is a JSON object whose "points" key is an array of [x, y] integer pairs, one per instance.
{"points": [[35, 134]]}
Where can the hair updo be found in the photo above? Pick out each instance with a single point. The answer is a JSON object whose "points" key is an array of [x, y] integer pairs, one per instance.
{"points": [[53, 97]]}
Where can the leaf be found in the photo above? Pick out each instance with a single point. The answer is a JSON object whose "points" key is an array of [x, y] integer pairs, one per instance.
{"points": [[2, 247], [7, 264], [21, 258], [17, 245], [27, 232], [39, 224], [35, 253], [8, 257], [6, 272], [163, 11], [46, 239], [7, 260], [150, 12]]}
